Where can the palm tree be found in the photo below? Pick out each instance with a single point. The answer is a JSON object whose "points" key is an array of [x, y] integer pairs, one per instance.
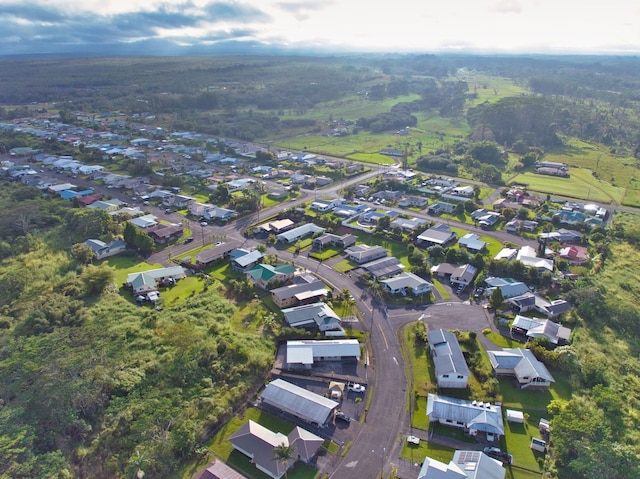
{"points": [[283, 454]]}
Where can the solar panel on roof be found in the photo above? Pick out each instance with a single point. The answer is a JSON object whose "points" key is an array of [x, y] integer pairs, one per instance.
{"points": [[468, 456]]}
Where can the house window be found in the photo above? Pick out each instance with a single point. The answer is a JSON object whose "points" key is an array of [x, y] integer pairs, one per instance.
{"points": [[460, 377], [445, 375], [459, 423]]}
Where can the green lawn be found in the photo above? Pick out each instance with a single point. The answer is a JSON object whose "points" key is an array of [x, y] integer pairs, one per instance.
{"points": [[126, 265], [326, 253], [222, 448], [420, 366], [581, 185], [416, 454], [343, 266], [183, 289], [441, 289], [502, 341]]}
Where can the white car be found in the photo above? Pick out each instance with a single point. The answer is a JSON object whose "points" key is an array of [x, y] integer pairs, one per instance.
{"points": [[204, 223], [357, 388]]}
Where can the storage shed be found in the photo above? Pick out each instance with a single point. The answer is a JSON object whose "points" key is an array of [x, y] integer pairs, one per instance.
{"points": [[515, 416]]}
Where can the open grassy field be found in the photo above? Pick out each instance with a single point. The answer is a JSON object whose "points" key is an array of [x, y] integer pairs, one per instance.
{"points": [[581, 185], [125, 265]]}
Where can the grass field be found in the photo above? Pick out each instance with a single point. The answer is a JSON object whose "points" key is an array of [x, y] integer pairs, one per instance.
{"points": [[581, 185], [125, 265]]}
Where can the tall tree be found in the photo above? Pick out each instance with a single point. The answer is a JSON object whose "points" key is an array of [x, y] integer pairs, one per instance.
{"points": [[283, 454]]}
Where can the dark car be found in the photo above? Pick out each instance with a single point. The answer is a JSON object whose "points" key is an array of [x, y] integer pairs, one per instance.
{"points": [[343, 417], [188, 240], [499, 454]]}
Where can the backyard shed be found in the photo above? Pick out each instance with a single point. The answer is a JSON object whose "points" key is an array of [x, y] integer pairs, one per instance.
{"points": [[515, 416]]}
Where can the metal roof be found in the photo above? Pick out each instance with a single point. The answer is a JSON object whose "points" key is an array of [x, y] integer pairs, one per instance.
{"points": [[448, 357], [305, 351], [479, 416], [298, 401]]}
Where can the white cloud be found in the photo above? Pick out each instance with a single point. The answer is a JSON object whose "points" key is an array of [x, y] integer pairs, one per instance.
{"points": [[401, 25]]}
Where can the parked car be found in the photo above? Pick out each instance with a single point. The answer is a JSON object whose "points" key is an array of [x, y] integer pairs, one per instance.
{"points": [[188, 240], [168, 210], [343, 417], [499, 454], [357, 388], [204, 223]]}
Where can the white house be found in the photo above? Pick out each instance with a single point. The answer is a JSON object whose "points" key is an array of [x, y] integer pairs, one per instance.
{"points": [[472, 416], [407, 282], [464, 465], [451, 368], [105, 250], [523, 365]]}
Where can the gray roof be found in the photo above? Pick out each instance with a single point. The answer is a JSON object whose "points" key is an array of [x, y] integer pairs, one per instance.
{"points": [[260, 442], [219, 470], [155, 274], [298, 401], [305, 351], [300, 232], [361, 252], [464, 465], [314, 314], [478, 416], [542, 327], [439, 234], [314, 288], [521, 361], [249, 258], [384, 267], [406, 280], [216, 251], [447, 355]]}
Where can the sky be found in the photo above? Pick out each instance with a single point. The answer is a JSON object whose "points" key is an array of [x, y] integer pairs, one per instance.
{"points": [[324, 26]]}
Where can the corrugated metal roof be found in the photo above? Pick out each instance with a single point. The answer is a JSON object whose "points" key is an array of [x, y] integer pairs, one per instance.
{"points": [[298, 401]]}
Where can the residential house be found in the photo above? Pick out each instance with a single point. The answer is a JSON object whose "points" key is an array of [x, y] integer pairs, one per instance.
{"points": [[144, 222], [217, 252], [472, 242], [313, 316], [485, 218], [562, 236], [472, 416], [464, 465], [413, 202], [147, 281], [523, 365], [299, 293], [407, 283], [508, 254], [243, 260], [364, 253], [438, 235], [162, 233], [440, 207], [219, 470], [387, 195], [179, 201], [87, 200], [258, 443], [106, 205], [534, 327], [465, 191], [239, 184], [324, 206], [340, 242], [323, 181], [349, 211], [295, 234], [299, 402], [527, 256], [574, 254], [383, 267], [530, 301], [105, 250], [278, 193], [461, 275], [451, 368], [276, 227], [372, 217], [509, 287], [265, 275], [513, 226], [407, 224], [307, 352]]}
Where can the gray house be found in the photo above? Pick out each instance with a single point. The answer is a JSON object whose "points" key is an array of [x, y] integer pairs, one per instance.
{"points": [[451, 368]]}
